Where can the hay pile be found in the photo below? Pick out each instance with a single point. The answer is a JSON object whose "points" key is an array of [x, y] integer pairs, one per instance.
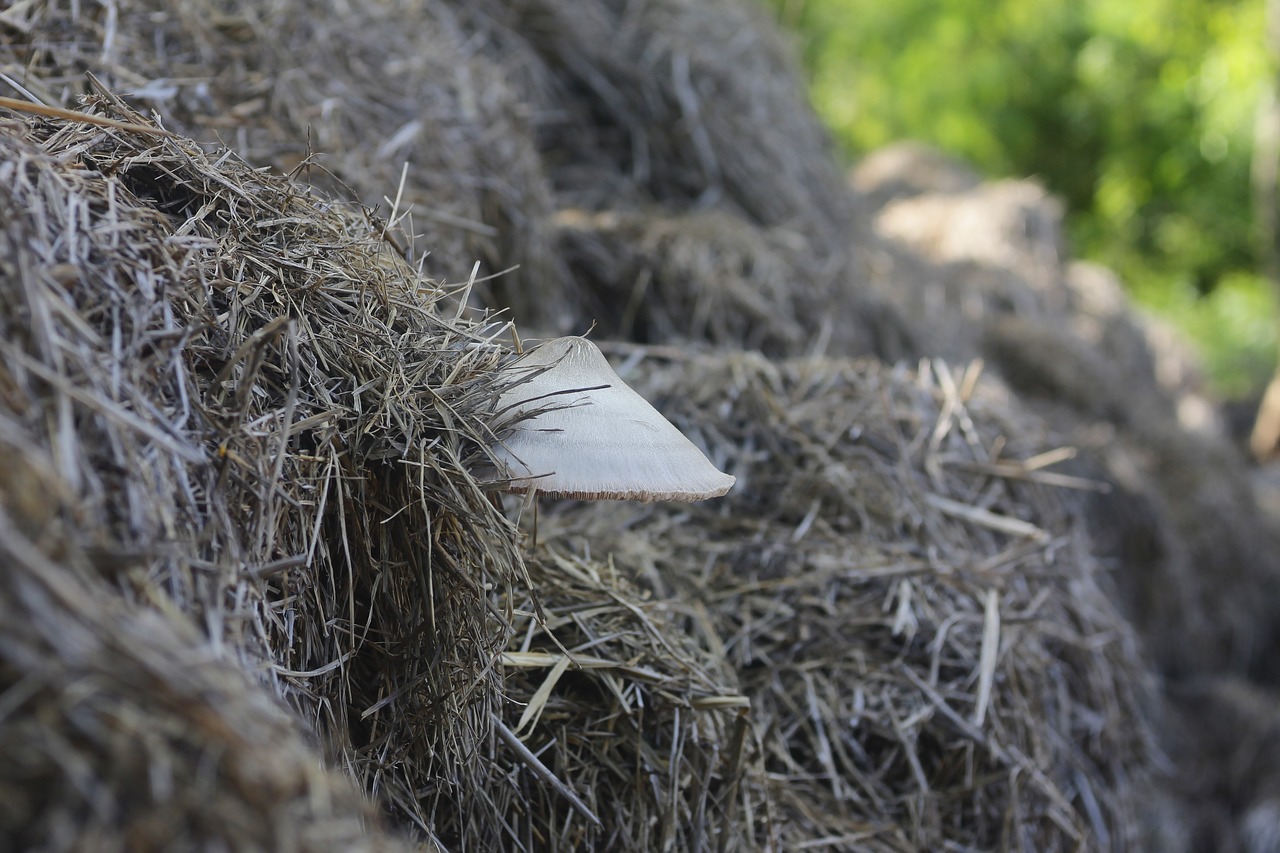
{"points": [[484, 120], [228, 381], [260, 416], [1195, 555], [259, 425], [934, 658]]}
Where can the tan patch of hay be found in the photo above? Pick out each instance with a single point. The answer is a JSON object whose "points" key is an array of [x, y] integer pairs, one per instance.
{"points": [[1011, 224], [906, 169]]}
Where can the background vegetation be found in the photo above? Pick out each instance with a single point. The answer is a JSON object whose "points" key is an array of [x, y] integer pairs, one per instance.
{"points": [[1140, 115]]}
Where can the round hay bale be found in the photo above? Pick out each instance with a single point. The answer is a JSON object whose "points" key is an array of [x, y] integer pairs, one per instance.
{"points": [[932, 651]]}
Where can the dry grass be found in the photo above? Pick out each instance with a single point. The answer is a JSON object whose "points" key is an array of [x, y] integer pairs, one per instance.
{"points": [[121, 728], [617, 696], [261, 422], [390, 100], [933, 655], [245, 395]]}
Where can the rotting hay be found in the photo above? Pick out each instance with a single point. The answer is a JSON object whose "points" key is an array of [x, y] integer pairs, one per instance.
{"points": [[933, 654], [259, 424], [711, 277], [258, 420]]}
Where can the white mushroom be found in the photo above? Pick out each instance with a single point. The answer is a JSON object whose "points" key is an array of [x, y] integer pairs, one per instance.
{"points": [[580, 432]]}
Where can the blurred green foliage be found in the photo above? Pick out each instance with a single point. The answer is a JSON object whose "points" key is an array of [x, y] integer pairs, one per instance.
{"points": [[1139, 114]]}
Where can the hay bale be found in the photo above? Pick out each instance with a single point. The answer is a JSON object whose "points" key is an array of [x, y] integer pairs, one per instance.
{"points": [[962, 260], [1194, 557], [227, 376], [932, 651], [693, 277], [122, 730], [259, 416], [1180, 523], [387, 101], [619, 699]]}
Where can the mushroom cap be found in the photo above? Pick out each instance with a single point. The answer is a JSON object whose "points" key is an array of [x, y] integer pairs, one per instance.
{"points": [[580, 432]]}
